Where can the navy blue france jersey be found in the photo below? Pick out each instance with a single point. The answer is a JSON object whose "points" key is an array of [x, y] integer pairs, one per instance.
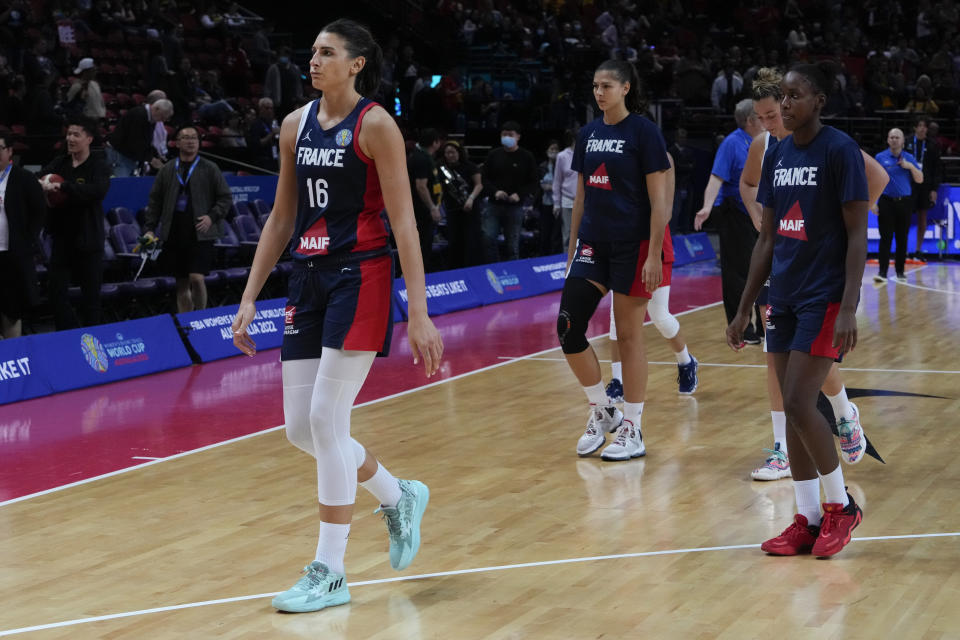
{"points": [[806, 188], [614, 161], [339, 202]]}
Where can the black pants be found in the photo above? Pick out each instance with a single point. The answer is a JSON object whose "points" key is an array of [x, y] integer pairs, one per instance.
{"points": [[549, 231], [465, 238], [85, 267], [737, 237], [894, 220]]}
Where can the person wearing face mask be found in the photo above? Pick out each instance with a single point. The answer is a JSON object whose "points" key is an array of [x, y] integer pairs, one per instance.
{"points": [[509, 177], [896, 203], [549, 221]]}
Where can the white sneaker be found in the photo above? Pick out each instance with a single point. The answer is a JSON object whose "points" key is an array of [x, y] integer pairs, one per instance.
{"points": [[776, 466], [602, 420], [852, 441], [627, 444]]}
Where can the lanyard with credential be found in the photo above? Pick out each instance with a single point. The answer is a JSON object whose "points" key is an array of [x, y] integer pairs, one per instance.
{"points": [[183, 183], [919, 151], [3, 175]]}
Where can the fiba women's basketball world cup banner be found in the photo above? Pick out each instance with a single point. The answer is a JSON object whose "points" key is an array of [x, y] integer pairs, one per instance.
{"points": [[211, 337], [107, 353]]}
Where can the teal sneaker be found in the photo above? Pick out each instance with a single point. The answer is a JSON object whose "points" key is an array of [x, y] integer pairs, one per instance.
{"points": [[403, 522], [319, 588]]}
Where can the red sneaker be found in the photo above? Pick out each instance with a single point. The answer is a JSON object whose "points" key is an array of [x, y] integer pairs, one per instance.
{"points": [[796, 539], [837, 527]]}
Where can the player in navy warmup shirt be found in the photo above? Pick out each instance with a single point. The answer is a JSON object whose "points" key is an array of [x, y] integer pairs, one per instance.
{"points": [[616, 243], [812, 245], [342, 160]]}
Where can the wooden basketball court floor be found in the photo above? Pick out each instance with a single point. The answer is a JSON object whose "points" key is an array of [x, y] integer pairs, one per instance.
{"points": [[521, 539]]}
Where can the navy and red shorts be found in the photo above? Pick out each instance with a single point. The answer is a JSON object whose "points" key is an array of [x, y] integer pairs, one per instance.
{"points": [[807, 328], [339, 302], [618, 266]]}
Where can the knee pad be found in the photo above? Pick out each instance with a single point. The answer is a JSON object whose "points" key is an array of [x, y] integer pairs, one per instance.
{"points": [[666, 323], [577, 303]]}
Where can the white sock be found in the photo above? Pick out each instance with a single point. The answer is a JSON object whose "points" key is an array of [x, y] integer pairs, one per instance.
{"points": [[332, 545], [384, 487], [841, 405], [779, 430], [632, 411], [834, 490], [683, 357], [597, 395], [807, 493], [617, 370]]}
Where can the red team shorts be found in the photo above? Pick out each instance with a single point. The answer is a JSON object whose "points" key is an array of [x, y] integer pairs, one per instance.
{"points": [[618, 266], [339, 302], [807, 328]]}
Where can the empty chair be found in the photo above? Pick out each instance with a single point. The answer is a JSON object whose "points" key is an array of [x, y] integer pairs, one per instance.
{"points": [[248, 231]]}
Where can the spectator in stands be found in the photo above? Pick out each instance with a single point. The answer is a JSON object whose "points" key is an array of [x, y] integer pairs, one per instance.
{"points": [[262, 136], [426, 190], [159, 142], [85, 91], [726, 88], [75, 225], [737, 231], [462, 186], [283, 83], [22, 210], [233, 131], [565, 186], [922, 103], [549, 223], [509, 179], [131, 143], [684, 162], [188, 203], [235, 69]]}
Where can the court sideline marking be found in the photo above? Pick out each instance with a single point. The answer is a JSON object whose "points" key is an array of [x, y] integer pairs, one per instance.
{"points": [[440, 574], [264, 431], [748, 366]]}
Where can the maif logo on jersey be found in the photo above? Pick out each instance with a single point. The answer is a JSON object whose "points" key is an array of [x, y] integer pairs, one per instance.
{"points": [[600, 179], [791, 226]]}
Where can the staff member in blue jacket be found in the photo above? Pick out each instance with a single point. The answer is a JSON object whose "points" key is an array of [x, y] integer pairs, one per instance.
{"points": [[896, 203]]}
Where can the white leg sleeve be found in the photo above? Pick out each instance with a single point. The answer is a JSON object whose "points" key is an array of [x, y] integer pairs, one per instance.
{"points": [[613, 323], [339, 378], [659, 311], [299, 379]]}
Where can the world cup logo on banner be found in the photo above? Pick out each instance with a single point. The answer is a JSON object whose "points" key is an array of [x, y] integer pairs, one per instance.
{"points": [[94, 353], [494, 281]]}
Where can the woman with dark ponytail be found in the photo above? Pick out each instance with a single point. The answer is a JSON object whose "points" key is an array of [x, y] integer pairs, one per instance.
{"points": [[617, 229], [812, 246], [343, 162]]}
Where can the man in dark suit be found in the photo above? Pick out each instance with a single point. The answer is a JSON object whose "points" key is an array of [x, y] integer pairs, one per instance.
{"points": [[131, 143], [22, 210]]}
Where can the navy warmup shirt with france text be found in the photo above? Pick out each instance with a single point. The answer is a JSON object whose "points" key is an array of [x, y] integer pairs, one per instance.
{"points": [[806, 187], [614, 161], [339, 202]]}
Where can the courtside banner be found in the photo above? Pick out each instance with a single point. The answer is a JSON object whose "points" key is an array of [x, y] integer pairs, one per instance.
{"points": [[692, 247], [20, 375], [210, 335], [446, 291], [106, 353], [502, 281], [943, 226], [547, 273]]}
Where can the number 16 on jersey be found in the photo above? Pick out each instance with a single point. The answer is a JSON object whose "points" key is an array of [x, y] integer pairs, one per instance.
{"points": [[317, 192]]}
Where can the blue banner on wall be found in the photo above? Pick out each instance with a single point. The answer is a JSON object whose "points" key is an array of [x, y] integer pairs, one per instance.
{"points": [[446, 291], [692, 248], [209, 332], [93, 355], [133, 193], [21, 376], [943, 224]]}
